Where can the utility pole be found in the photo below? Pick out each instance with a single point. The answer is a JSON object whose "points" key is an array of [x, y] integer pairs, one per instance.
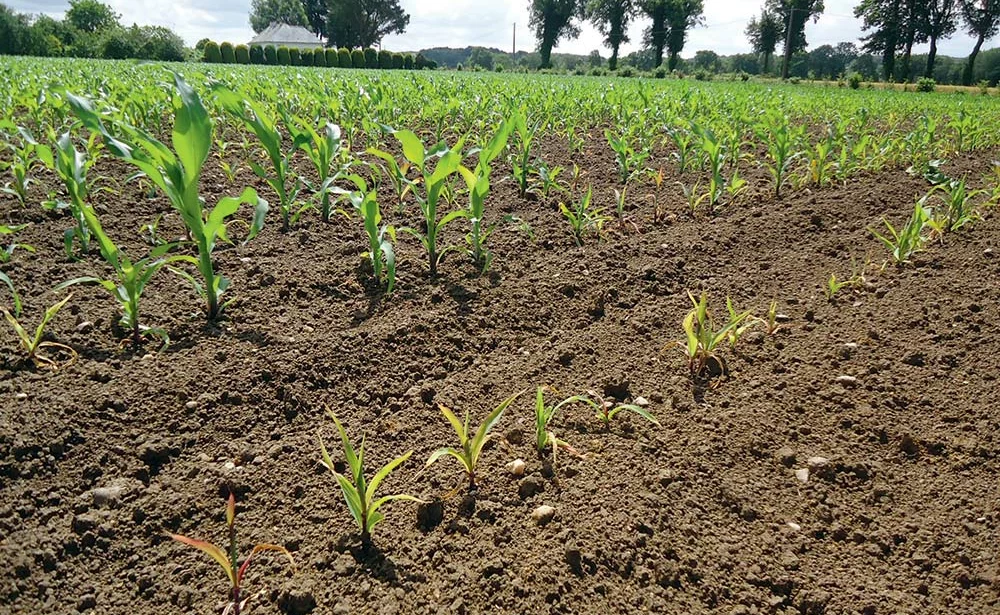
{"points": [[513, 45]]}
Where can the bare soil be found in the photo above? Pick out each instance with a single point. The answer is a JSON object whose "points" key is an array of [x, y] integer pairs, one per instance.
{"points": [[704, 514]]}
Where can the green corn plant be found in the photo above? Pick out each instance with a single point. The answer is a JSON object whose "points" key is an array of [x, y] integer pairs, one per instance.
{"points": [[33, 344], [605, 411], [702, 338], [395, 170], [736, 185], [821, 167], [629, 160], [833, 286], [381, 252], [584, 218], [433, 181], [548, 179], [544, 414], [744, 323], [478, 183], [323, 149], [521, 164], [781, 140], [470, 446], [230, 563], [257, 120], [130, 278], [957, 210], [72, 166], [772, 318], [15, 297], [178, 175], [22, 161], [909, 239], [358, 492], [7, 252], [684, 142], [715, 155]]}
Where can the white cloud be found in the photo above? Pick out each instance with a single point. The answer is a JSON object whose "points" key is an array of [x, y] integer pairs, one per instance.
{"points": [[461, 23]]}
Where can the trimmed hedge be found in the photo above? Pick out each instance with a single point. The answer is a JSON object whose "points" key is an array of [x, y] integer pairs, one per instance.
{"points": [[358, 58], [397, 61], [332, 59], [296, 56], [271, 55], [385, 59], [408, 61], [242, 54], [212, 53], [345, 58], [228, 54], [256, 54], [319, 57], [371, 58], [284, 56]]}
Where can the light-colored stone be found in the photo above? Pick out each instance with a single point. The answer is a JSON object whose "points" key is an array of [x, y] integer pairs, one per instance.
{"points": [[802, 474], [817, 462], [517, 467], [795, 526], [641, 402], [847, 381], [543, 514]]}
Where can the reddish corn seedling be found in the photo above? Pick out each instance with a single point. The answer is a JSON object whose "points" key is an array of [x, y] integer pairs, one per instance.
{"points": [[235, 571]]}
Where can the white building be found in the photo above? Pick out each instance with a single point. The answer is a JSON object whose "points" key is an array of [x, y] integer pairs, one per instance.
{"points": [[284, 35]]}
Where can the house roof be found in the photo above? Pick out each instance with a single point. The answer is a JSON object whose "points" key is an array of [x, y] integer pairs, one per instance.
{"points": [[284, 34]]}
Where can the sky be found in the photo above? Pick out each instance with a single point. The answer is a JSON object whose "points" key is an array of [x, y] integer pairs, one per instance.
{"points": [[488, 23]]}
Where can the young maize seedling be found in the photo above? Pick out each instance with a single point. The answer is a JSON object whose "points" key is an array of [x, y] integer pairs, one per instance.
{"points": [[72, 166], [737, 332], [702, 338], [380, 252], [256, 119], [544, 414], [470, 446], [22, 162], [584, 219], [6, 252], [478, 184], [715, 154], [957, 211], [908, 240], [548, 179], [781, 140], [33, 344], [521, 164], [234, 569], [821, 168], [16, 298], [772, 318], [358, 492], [683, 140], [323, 148], [604, 411], [629, 160], [178, 176], [434, 182], [833, 286], [659, 210], [131, 278]]}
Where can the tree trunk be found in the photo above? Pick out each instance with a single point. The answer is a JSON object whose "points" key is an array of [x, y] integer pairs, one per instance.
{"points": [[545, 51], [907, 54], [888, 63], [613, 61], [672, 61], [931, 57], [786, 61], [967, 73], [767, 63]]}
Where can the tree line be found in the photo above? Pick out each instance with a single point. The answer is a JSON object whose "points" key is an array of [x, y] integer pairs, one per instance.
{"points": [[90, 29]]}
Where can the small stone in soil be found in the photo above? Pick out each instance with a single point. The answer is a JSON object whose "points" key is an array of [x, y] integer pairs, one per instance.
{"points": [[802, 474], [530, 486], [543, 514], [517, 467], [847, 381]]}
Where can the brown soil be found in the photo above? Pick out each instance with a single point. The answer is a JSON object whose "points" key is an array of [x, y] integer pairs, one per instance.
{"points": [[702, 515]]}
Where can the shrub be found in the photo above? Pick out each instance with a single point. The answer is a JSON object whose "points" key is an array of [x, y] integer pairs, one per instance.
{"points": [[926, 84], [408, 62], [256, 54], [794, 81], [344, 59], [332, 59], [319, 57], [284, 56], [458, 67], [371, 58], [420, 62], [270, 55], [498, 68], [228, 54], [854, 81], [660, 72], [242, 54], [397, 61], [703, 75], [296, 55], [597, 71], [384, 59], [984, 87], [626, 71], [358, 58], [212, 53]]}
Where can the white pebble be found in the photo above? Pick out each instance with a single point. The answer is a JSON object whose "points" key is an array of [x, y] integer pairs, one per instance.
{"points": [[802, 474], [543, 514], [517, 467]]}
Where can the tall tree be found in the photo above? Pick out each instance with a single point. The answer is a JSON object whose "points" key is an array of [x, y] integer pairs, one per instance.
{"points": [[611, 18], [682, 15], [91, 15], [553, 20], [265, 12], [793, 15], [913, 17], [656, 33], [941, 22], [763, 35], [982, 20], [882, 18], [364, 23], [316, 12]]}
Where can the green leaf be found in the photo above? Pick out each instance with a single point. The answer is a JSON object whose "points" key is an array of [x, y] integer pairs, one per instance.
{"points": [[381, 474], [192, 134]]}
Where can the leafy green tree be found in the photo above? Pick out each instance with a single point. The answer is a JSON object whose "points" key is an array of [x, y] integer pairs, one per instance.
{"points": [[284, 56], [295, 55], [982, 20], [941, 22], [316, 12], [397, 61], [883, 19], [796, 13], [408, 61], [384, 60], [372, 59], [764, 34], [265, 12], [612, 18], [91, 16], [552, 20], [671, 20], [707, 60], [481, 57], [364, 23]]}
